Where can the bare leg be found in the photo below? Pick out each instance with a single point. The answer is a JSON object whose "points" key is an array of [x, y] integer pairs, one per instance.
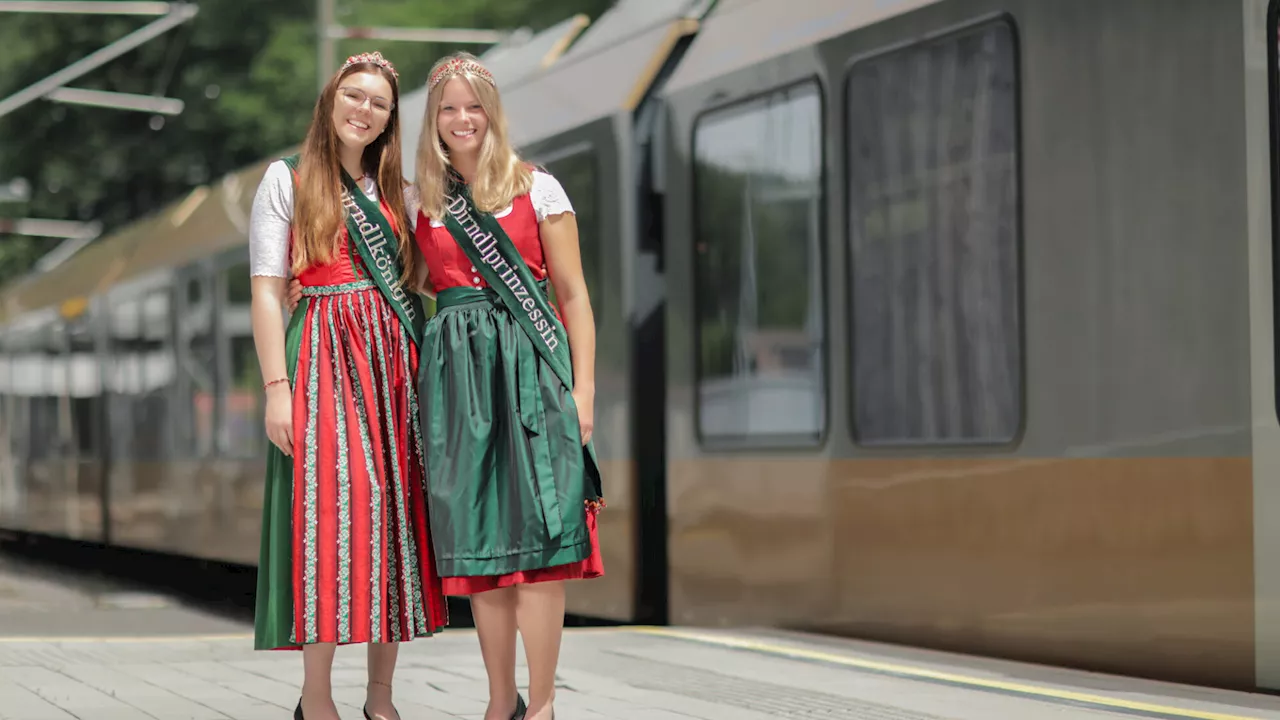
{"points": [[317, 686], [495, 615], [382, 667], [540, 615]]}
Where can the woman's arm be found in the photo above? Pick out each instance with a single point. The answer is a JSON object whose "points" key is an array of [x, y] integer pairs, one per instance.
{"points": [[269, 223], [564, 265], [268, 340]]}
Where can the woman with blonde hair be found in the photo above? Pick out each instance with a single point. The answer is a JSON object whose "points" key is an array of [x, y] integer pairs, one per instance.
{"points": [[507, 387], [346, 555]]}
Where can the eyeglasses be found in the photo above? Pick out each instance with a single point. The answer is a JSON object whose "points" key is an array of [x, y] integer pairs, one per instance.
{"points": [[355, 97]]}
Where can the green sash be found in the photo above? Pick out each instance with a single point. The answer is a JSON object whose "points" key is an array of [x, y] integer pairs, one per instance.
{"points": [[489, 248], [370, 231]]}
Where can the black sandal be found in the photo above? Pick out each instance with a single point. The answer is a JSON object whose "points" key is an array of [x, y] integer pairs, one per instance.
{"points": [[521, 708]]}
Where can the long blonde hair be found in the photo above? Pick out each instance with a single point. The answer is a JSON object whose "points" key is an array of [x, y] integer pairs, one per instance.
{"points": [[318, 215], [501, 175]]}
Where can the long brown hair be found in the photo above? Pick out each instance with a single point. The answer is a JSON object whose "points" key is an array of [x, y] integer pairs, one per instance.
{"points": [[318, 214], [501, 176]]}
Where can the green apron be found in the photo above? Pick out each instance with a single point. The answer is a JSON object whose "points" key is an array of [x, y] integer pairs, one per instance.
{"points": [[508, 477]]}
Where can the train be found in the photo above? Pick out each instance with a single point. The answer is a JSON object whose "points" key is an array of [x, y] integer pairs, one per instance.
{"points": [[946, 323]]}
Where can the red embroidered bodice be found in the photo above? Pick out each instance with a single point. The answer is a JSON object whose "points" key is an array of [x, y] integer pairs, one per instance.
{"points": [[346, 266], [449, 266]]}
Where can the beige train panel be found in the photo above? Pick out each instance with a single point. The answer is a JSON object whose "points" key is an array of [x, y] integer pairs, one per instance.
{"points": [[1135, 566], [205, 509], [55, 497], [612, 596], [212, 218]]}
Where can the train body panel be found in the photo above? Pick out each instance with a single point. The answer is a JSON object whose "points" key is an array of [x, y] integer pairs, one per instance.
{"points": [[943, 322], [1016, 347]]}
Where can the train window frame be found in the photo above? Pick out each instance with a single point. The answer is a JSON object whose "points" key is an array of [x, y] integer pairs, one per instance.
{"points": [[1008, 22], [769, 441]]}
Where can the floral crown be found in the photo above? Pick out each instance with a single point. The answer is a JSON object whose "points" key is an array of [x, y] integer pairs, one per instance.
{"points": [[457, 66], [374, 58]]}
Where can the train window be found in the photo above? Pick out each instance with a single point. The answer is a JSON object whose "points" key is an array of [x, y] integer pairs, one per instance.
{"points": [[153, 438], [24, 375], [123, 373], [934, 242], [243, 400], [10, 488], [759, 312], [83, 383], [197, 366], [579, 176], [44, 436]]}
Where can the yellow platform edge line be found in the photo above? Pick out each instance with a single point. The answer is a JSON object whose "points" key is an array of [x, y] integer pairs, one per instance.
{"points": [[924, 673], [178, 638]]}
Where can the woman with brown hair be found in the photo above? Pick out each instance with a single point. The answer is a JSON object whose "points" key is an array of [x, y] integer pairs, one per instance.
{"points": [[346, 554]]}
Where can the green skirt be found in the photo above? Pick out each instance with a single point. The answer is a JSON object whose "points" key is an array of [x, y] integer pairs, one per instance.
{"points": [[508, 479]]}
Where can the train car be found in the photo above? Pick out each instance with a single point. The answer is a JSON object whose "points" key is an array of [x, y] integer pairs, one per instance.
{"points": [[969, 329], [939, 322]]}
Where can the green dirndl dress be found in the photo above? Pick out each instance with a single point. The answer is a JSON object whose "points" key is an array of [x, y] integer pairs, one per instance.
{"points": [[512, 492]]}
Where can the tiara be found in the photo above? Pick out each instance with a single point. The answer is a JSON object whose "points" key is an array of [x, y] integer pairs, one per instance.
{"points": [[457, 66], [374, 58]]}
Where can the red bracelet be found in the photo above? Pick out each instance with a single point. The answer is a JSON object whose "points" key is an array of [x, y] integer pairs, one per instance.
{"points": [[274, 382]]}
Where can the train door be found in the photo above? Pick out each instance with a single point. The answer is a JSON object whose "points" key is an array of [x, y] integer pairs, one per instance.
{"points": [[586, 168]]}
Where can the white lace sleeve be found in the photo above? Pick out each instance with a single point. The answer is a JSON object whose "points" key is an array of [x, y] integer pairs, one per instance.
{"points": [[269, 222], [412, 204], [548, 196]]}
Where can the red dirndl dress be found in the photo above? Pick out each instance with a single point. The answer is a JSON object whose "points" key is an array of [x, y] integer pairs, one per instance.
{"points": [[347, 555]]}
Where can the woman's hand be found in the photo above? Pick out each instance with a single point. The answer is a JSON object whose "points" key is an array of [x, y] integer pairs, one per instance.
{"points": [[585, 400], [280, 417], [295, 295]]}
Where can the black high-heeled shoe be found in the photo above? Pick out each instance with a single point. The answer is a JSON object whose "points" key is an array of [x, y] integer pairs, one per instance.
{"points": [[521, 708], [297, 712]]}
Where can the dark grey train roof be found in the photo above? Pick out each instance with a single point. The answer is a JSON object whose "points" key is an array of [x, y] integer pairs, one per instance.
{"points": [[617, 58], [513, 65], [739, 33], [628, 17]]}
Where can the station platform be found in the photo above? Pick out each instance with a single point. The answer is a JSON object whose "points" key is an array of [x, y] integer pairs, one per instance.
{"points": [[77, 647]]}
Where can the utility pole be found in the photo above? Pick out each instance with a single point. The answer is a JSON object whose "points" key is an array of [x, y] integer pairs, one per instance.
{"points": [[325, 13]]}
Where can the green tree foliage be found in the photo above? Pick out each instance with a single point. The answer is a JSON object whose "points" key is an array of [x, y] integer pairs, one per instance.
{"points": [[246, 72]]}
